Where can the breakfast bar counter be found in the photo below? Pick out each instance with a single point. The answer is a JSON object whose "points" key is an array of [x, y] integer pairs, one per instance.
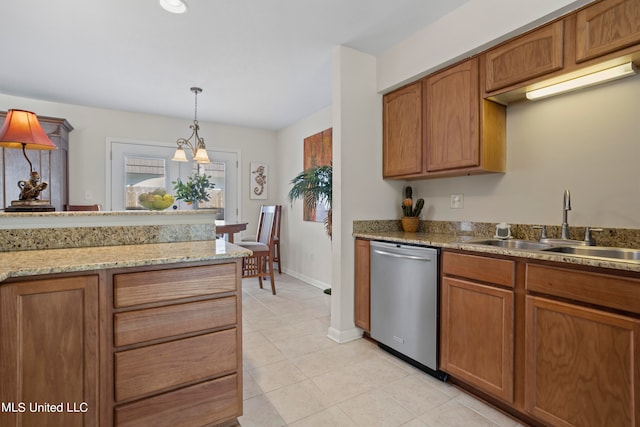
{"points": [[49, 261], [118, 319]]}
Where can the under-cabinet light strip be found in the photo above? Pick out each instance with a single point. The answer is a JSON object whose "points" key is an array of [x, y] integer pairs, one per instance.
{"points": [[592, 79]]}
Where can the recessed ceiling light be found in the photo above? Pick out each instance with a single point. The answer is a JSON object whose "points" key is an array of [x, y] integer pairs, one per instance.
{"points": [[173, 6]]}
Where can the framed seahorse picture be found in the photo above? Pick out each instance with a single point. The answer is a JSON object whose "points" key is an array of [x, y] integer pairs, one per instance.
{"points": [[258, 180]]}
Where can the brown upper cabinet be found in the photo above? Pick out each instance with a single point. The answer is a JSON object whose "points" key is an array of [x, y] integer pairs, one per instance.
{"points": [[440, 126], [602, 35], [402, 143], [534, 54], [464, 134], [453, 122], [605, 27]]}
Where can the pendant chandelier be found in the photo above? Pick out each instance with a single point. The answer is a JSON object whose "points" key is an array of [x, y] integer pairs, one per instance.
{"points": [[197, 147]]}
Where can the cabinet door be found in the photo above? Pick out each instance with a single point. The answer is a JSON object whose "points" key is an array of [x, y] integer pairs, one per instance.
{"points": [[49, 350], [532, 55], [477, 335], [582, 365], [605, 27], [452, 124], [402, 146], [362, 285]]}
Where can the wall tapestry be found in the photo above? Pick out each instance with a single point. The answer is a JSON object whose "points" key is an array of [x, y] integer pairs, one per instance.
{"points": [[259, 172], [317, 152]]}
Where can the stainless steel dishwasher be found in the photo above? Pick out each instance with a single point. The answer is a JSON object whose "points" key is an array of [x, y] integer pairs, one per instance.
{"points": [[404, 303]]}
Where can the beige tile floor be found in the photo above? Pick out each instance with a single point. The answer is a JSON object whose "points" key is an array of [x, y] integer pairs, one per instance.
{"points": [[295, 376]]}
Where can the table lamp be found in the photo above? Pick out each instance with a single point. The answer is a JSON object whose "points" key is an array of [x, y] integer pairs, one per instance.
{"points": [[21, 129]]}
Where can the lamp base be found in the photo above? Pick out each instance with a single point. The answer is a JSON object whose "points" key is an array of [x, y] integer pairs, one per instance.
{"points": [[30, 206]]}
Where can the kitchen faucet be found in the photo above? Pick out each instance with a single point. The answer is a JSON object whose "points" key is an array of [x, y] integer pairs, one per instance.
{"points": [[565, 215], [564, 239]]}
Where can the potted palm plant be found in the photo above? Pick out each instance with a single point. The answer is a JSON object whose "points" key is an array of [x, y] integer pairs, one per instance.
{"points": [[314, 186]]}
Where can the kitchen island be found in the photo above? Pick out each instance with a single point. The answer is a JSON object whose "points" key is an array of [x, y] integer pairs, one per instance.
{"points": [[126, 334]]}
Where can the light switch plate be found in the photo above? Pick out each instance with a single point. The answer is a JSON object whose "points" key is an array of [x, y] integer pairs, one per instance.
{"points": [[457, 201]]}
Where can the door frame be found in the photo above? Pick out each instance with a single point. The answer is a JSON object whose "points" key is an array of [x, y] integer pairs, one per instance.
{"points": [[109, 160]]}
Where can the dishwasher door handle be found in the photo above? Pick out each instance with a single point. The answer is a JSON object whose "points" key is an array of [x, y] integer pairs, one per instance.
{"points": [[416, 258]]}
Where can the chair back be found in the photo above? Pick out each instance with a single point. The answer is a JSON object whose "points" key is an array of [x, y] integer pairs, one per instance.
{"points": [[267, 225], [278, 219]]}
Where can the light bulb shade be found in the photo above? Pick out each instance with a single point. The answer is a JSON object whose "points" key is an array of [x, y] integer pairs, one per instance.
{"points": [[179, 155], [21, 128], [201, 156]]}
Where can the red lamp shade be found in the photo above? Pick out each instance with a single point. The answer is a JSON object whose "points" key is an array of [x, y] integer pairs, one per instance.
{"points": [[22, 129]]}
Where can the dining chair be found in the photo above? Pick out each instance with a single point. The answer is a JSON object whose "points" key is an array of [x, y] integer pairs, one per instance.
{"points": [[276, 241], [95, 207], [260, 264]]}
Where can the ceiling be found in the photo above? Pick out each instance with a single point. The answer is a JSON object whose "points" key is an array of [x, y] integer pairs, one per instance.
{"points": [[260, 63]]}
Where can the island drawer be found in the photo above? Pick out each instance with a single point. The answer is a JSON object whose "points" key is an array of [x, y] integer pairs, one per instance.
{"points": [[155, 368], [156, 286], [481, 268], [138, 326], [207, 403]]}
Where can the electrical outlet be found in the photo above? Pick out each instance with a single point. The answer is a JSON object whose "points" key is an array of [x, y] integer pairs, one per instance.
{"points": [[457, 201]]}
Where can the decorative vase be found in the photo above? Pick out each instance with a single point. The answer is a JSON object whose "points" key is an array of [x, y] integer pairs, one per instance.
{"points": [[410, 223]]}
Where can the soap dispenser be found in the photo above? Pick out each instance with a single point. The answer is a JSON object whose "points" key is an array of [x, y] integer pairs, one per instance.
{"points": [[503, 231]]}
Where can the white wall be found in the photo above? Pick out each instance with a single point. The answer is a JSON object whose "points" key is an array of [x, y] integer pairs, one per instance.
{"points": [[359, 191], [586, 141], [306, 247], [87, 163]]}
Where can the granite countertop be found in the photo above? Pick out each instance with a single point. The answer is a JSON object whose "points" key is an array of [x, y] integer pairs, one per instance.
{"points": [[460, 241], [30, 263]]}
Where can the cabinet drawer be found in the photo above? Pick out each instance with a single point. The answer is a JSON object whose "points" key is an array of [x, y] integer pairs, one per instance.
{"points": [[621, 293], [154, 323], [145, 370], [165, 285], [492, 270], [203, 404]]}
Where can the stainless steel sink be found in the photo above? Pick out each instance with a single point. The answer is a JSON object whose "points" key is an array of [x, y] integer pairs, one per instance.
{"points": [[598, 252], [512, 244], [602, 252]]}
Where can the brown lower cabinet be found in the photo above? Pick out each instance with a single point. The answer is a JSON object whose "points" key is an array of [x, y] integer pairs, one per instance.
{"points": [[362, 312], [154, 345], [575, 338], [476, 321], [49, 352]]}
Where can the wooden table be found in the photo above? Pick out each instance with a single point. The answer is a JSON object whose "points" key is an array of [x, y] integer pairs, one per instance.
{"points": [[229, 228]]}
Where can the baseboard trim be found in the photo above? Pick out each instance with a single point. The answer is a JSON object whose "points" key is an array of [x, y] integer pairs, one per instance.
{"points": [[313, 282], [342, 337]]}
